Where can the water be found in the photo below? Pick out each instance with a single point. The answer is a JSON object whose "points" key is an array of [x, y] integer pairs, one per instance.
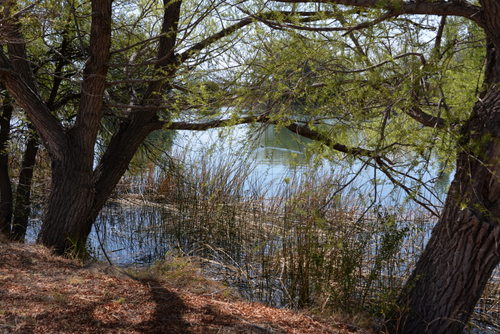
{"points": [[276, 153], [272, 153]]}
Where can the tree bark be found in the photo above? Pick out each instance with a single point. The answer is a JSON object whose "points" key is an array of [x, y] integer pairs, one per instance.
{"points": [[5, 182], [464, 248], [65, 228], [22, 207], [66, 224]]}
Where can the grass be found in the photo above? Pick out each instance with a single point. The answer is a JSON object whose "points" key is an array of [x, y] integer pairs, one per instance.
{"points": [[183, 272]]}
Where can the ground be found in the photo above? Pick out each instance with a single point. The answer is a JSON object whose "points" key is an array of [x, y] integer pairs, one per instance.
{"points": [[43, 293]]}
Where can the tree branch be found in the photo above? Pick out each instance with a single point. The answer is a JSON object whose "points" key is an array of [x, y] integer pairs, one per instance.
{"points": [[348, 30], [218, 123], [386, 170], [425, 119], [407, 54], [454, 8], [94, 79], [165, 63], [17, 75], [301, 129], [212, 39], [287, 16]]}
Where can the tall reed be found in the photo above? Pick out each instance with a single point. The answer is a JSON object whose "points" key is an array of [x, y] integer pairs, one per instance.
{"points": [[312, 244]]}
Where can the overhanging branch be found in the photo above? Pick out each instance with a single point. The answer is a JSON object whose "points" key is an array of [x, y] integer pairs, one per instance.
{"points": [[449, 8], [301, 129], [379, 160], [218, 123], [425, 119]]}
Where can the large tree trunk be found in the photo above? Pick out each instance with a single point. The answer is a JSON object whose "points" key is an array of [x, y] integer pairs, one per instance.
{"points": [[65, 227], [66, 223], [22, 208], [78, 194], [464, 248]]}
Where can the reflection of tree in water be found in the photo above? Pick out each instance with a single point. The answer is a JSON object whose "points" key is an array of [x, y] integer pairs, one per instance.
{"points": [[280, 147]]}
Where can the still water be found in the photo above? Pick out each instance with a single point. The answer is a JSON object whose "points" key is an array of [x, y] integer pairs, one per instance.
{"points": [[275, 154]]}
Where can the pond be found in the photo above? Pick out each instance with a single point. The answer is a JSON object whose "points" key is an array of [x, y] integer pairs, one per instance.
{"points": [[276, 153]]}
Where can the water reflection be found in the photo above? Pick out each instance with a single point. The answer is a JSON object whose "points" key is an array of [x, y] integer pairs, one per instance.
{"points": [[280, 147], [130, 235]]}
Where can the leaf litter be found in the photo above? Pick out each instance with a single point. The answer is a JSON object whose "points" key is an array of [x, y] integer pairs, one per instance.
{"points": [[44, 293]]}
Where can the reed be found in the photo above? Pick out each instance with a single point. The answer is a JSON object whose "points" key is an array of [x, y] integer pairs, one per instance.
{"points": [[313, 244]]}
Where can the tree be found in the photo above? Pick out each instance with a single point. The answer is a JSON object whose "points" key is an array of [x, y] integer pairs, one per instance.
{"points": [[464, 249], [108, 61], [15, 207], [6, 200], [78, 189]]}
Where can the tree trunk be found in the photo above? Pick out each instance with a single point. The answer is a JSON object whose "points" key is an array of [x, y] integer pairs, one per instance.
{"points": [[22, 206], [78, 194], [5, 182], [65, 226], [464, 248], [120, 152]]}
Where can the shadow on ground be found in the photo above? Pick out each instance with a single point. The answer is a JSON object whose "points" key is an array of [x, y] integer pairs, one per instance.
{"points": [[42, 293]]}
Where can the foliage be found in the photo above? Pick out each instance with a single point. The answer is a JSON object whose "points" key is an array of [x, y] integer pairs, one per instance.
{"points": [[358, 89]]}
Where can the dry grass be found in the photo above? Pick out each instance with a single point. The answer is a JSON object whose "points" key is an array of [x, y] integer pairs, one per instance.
{"points": [[42, 293]]}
